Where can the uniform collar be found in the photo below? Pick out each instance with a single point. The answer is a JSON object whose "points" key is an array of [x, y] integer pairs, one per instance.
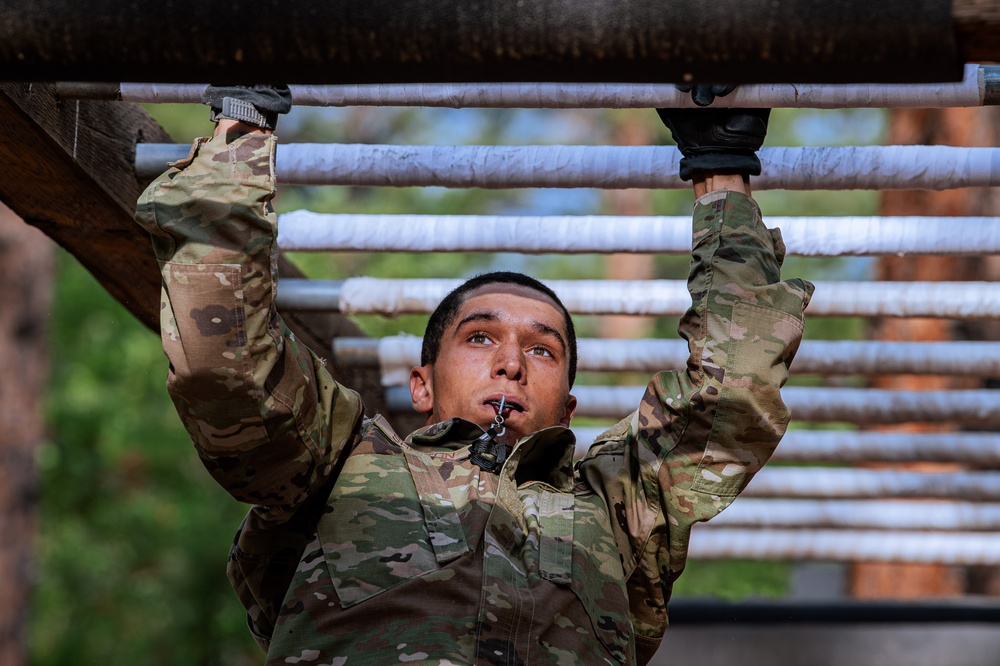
{"points": [[545, 455], [450, 434]]}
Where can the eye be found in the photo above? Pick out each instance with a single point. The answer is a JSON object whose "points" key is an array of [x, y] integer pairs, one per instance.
{"points": [[539, 350], [479, 338]]}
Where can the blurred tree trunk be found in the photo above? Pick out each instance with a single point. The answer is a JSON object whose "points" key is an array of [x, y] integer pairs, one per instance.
{"points": [[957, 127], [631, 129], [26, 274]]}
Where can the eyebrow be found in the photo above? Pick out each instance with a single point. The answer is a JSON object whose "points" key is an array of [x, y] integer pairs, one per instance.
{"points": [[477, 316], [492, 316], [548, 330]]}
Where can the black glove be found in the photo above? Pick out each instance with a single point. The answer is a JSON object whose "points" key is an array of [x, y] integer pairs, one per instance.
{"points": [[254, 105], [704, 94], [717, 140]]}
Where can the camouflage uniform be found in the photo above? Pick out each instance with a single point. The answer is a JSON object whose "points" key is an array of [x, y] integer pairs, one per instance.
{"points": [[362, 547]]}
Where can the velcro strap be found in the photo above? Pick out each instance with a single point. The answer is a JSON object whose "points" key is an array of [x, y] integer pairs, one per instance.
{"points": [[555, 519]]}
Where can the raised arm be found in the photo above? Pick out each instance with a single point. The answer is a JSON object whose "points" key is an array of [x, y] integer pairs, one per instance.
{"points": [[265, 416], [701, 433]]}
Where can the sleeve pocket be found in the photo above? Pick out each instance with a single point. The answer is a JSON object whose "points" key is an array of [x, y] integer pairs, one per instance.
{"points": [[751, 417], [206, 343]]}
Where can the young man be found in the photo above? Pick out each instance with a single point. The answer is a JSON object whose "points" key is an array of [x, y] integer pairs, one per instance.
{"points": [[474, 539]]}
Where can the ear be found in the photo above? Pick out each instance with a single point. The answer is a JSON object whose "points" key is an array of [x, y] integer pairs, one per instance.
{"points": [[422, 389], [568, 411]]}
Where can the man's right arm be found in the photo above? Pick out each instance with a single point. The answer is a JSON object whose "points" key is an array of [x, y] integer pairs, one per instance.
{"points": [[266, 417]]}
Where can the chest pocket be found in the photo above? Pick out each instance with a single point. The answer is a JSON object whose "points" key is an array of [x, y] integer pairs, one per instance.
{"points": [[389, 519], [576, 549]]}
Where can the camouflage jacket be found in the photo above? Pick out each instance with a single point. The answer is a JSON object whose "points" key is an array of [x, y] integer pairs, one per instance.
{"points": [[362, 547]]}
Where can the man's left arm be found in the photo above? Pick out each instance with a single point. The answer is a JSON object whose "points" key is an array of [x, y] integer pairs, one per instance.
{"points": [[701, 433]]}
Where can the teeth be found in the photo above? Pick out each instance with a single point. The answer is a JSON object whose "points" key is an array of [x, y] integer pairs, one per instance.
{"points": [[513, 406]]}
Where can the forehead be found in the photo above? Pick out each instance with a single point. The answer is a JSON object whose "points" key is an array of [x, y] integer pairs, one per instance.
{"points": [[514, 301]]}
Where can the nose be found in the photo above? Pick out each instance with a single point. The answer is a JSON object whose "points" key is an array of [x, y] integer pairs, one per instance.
{"points": [[509, 363]]}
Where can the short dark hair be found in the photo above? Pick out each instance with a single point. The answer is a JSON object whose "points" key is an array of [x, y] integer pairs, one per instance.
{"points": [[447, 310]]}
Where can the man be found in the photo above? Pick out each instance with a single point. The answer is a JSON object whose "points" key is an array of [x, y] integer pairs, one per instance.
{"points": [[474, 539]]}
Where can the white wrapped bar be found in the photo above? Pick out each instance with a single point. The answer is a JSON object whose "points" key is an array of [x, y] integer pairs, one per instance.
{"points": [[609, 167], [975, 90], [880, 514], [649, 298], [956, 548], [843, 483], [826, 357], [860, 406], [981, 449], [306, 231]]}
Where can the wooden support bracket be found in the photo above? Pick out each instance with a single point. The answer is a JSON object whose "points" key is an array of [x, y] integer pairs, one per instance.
{"points": [[67, 168]]}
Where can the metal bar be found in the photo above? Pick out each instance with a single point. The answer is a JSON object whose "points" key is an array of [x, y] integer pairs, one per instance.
{"points": [[954, 548], [306, 231], [880, 514], [609, 167], [312, 41], [828, 483], [979, 87], [869, 357], [977, 449], [860, 406], [867, 613], [650, 298]]}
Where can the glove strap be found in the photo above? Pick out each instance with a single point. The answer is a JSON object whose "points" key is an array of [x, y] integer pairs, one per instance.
{"points": [[745, 163], [245, 112]]}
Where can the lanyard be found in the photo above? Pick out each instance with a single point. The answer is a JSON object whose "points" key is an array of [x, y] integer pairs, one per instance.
{"points": [[487, 452]]}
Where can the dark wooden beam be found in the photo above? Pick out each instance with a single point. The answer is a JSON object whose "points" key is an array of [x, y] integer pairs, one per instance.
{"points": [[437, 41], [67, 168], [977, 27]]}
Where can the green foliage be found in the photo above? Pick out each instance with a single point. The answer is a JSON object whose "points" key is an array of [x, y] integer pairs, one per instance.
{"points": [[134, 532], [184, 122], [733, 580]]}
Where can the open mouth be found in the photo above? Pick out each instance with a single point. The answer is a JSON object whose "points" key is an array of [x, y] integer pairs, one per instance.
{"points": [[508, 406]]}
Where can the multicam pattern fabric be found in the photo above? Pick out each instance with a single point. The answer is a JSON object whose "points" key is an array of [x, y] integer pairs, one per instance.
{"points": [[362, 547]]}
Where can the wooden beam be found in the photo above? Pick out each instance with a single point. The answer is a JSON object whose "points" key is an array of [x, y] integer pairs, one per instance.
{"points": [[440, 41], [67, 168], [977, 28]]}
